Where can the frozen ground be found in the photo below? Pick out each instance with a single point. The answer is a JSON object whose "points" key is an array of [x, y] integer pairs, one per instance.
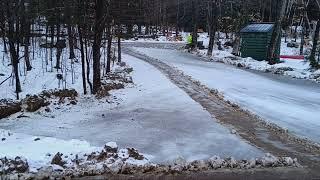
{"points": [[154, 116], [292, 104]]}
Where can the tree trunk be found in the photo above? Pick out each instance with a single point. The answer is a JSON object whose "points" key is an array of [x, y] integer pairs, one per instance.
{"points": [[15, 62], [130, 30], [109, 34], [139, 29], [119, 43], [313, 62], [213, 23], [195, 16], [71, 42], [52, 46], [236, 46], [27, 58], [98, 32], [25, 31], [276, 34], [70, 30], [5, 49], [88, 66], [147, 32], [302, 38], [26, 47], [59, 50], [178, 17], [12, 36], [84, 84]]}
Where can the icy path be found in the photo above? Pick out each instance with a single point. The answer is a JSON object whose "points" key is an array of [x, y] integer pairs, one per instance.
{"points": [[289, 103], [155, 116]]}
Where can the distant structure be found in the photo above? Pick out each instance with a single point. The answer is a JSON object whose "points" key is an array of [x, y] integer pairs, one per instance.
{"points": [[255, 40]]}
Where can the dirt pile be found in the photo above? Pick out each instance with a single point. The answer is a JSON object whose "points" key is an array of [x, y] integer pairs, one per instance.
{"points": [[8, 107], [115, 80], [63, 93], [17, 165], [33, 103], [105, 88]]}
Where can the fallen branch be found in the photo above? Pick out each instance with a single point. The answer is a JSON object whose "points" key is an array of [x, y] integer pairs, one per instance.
{"points": [[5, 80]]}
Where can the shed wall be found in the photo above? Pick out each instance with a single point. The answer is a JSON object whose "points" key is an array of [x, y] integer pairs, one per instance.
{"points": [[255, 45]]}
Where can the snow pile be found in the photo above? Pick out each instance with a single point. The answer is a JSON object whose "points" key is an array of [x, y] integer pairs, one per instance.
{"points": [[49, 157], [216, 162], [42, 157], [105, 162]]}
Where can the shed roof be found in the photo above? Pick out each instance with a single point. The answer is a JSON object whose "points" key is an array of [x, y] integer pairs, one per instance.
{"points": [[258, 28]]}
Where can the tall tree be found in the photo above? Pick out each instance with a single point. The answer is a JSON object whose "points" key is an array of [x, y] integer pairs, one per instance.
{"points": [[195, 17], [312, 58], [213, 6], [98, 32], [13, 36], [277, 32]]}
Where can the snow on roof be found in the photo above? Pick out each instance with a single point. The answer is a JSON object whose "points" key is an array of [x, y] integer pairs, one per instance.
{"points": [[261, 27]]}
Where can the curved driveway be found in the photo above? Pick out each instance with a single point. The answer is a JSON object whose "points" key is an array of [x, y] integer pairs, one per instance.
{"points": [[289, 103]]}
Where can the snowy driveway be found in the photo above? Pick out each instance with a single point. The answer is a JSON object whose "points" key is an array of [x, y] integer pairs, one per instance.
{"points": [[291, 104], [155, 116]]}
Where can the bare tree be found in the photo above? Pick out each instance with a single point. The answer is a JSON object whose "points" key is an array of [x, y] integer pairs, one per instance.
{"points": [[195, 16], [98, 32], [276, 33], [12, 8], [312, 58], [213, 6]]}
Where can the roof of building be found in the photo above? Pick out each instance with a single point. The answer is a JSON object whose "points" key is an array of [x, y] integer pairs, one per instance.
{"points": [[258, 28]]}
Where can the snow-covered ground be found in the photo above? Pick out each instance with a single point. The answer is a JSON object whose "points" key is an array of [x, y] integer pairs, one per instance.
{"points": [[41, 77], [39, 150], [291, 104], [154, 116]]}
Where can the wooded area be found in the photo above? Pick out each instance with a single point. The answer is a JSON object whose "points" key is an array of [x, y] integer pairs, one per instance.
{"points": [[89, 27]]}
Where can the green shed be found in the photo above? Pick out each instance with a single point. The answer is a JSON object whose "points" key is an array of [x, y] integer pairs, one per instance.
{"points": [[255, 40]]}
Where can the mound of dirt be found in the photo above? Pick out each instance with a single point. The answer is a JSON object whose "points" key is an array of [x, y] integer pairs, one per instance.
{"points": [[135, 154], [17, 165], [63, 93], [57, 160], [104, 90], [34, 103], [8, 107]]}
